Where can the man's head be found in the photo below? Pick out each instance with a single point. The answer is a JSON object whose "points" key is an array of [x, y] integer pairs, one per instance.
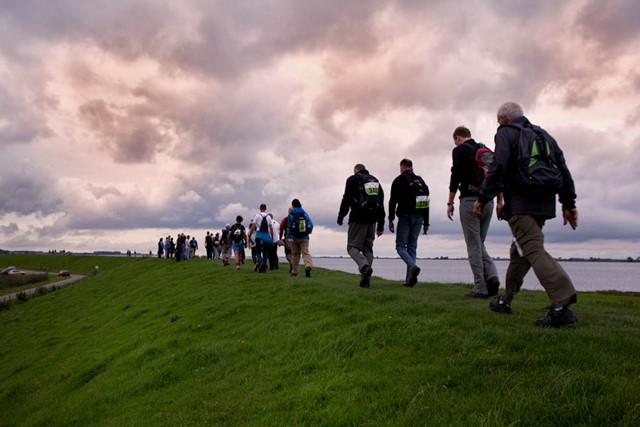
{"points": [[263, 207], [359, 167], [461, 134], [239, 219], [296, 203], [508, 112], [406, 165]]}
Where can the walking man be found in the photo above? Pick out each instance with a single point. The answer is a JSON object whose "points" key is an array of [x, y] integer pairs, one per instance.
{"points": [[474, 229], [409, 200], [299, 227], [522, 149], [263, 228], [363, 196]]}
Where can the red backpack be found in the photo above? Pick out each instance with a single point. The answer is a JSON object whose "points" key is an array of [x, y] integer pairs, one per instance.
{"points": [[483, 157]]}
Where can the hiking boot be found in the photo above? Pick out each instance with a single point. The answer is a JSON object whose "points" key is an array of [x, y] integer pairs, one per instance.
{"points": [[557, 317], [500, 306], [413, 279], [492, 287], [307, 272], [474, 294], [365, 276]]}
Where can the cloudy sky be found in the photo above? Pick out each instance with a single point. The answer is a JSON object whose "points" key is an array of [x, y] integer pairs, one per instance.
{"points": [[122, 121]]}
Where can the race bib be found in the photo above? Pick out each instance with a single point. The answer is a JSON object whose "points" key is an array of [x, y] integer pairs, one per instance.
{"points": [[422, 202], [372, 188]]}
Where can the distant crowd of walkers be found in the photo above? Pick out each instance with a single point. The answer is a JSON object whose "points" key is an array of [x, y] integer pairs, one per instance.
{"points": [[264, 236]]}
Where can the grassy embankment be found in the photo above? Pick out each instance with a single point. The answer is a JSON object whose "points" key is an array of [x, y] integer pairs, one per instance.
{"points": [[155, 342]]}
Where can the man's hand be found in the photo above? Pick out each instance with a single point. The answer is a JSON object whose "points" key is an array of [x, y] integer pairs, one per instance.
{"points": [[425, 228], [391, 227], [339, 221], [449, 212], [570, 216], [380, 232], [478, 208]]}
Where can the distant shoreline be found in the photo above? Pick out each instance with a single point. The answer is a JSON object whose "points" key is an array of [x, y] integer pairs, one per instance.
{"points": [[441, 258]]}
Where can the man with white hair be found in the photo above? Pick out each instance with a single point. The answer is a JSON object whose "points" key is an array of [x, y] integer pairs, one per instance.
{"points": [[528, 171]]}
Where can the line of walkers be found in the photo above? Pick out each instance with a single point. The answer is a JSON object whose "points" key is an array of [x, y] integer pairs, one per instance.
{"points": [[525, 173]]}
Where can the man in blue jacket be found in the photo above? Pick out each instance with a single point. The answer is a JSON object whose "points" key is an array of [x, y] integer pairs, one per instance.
{"points": [[299, 226], [526, 211]]}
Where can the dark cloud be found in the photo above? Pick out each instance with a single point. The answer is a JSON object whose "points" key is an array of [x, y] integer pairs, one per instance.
{"points": [[9, 229], [27, 191], [127, 137], [612, 25], [20, 119]]}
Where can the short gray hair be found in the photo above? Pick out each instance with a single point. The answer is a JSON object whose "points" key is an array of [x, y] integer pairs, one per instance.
{"points": [[510, 110]]}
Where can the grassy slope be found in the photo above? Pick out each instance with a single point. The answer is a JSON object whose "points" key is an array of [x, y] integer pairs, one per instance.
{"points": [[154, 342]]}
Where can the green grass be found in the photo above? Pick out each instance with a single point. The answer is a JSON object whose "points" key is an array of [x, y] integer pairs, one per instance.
{"points": [[155, 342]]}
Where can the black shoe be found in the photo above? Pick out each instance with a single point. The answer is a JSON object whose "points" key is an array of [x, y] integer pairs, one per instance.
{"points": [[492, 287], [307, 272], [556, 318], [365, 276], [500, 306], [413, 279]]}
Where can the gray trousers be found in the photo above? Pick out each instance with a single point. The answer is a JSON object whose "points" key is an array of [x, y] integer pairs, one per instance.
{"points": [[527, 231], [475, 231], [360, 243]]}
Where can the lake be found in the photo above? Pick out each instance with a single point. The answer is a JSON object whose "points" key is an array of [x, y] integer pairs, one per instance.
{"points": [[586, 276]]}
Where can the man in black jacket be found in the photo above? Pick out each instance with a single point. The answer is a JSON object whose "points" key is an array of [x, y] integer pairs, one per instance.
{"points": [[409, 200], [485, 274], [363, 196], [526, 213]]}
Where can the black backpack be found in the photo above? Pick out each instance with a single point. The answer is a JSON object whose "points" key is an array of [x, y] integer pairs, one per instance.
{"points": [[368, 194], [236, 233], [537, 170], [419, 190], [264, 225], [299, 225]]}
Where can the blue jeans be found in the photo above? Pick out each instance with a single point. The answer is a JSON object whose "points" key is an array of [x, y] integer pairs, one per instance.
{"points": [[407, 233]]}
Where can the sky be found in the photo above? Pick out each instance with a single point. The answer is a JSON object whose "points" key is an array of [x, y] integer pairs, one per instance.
{"points": [[123, 121]]}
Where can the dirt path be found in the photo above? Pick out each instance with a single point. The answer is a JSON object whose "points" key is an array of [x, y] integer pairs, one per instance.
{"points": [[71, 279]]}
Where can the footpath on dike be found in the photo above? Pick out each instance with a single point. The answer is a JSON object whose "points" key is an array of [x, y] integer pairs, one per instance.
{"points": [[71, 279]]}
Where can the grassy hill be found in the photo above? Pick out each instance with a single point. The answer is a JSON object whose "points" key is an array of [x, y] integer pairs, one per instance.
{"points": [[155, 342]]}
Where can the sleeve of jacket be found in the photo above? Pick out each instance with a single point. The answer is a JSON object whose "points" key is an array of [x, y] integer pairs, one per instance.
{"points": [[454, 182], [393, 200], [425, 215], [346, 199], [567, 195], [381, 213]]}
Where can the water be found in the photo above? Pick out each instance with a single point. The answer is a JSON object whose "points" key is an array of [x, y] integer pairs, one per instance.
{"points": [[586, 276]]}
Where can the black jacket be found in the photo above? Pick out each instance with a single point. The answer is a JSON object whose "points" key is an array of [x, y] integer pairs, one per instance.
{"points": [[501, 177], [349, 203], [402, 201], [463, 168]]}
